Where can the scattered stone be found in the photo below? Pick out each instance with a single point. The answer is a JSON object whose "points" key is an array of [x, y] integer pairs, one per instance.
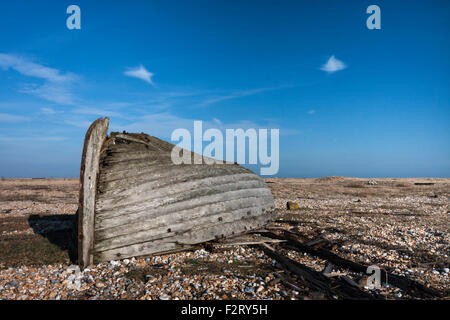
{"points": [[52, 295], [283, 293], [249, 290], [73, 268], [291, 205]]}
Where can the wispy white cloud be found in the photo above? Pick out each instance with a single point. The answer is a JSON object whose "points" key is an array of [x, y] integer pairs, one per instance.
{"points": [[118, 104], [32, 69], [79, 123], [56, 84], [54, 92], [48, 111], [140, 73], [233, 95], [31, 138], [217, 121], [97, 112], [162, 125], [6, 117], [312, 111], [333, 65], [157, 124]]}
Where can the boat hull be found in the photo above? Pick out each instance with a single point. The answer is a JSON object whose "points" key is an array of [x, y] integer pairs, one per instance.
{"points": [[141, 203]]}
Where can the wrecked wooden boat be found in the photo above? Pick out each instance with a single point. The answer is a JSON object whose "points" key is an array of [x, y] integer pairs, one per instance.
{"points": [[134, 201]]}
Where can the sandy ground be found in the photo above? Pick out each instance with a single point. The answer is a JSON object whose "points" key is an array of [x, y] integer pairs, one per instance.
{"points": [[401, 225]]}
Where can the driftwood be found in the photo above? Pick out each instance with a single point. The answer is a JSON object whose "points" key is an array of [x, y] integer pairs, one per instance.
{"points": [[410, 286], [330, 286], [288, 282], [247, 243], [134, 201]]}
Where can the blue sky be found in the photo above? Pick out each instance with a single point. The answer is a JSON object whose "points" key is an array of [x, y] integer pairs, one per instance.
{"points": [[155, 66]]}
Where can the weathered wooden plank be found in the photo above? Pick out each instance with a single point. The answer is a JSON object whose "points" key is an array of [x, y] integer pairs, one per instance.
{"points": [[162, 174], [140, 234], [95, 136], [141, 208], [135, 158], [172, 225], [119, 170], [146, 220], [141, 249], [166, 174], [178, 190], [183, 241], [111, 156], [223, 230]]}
